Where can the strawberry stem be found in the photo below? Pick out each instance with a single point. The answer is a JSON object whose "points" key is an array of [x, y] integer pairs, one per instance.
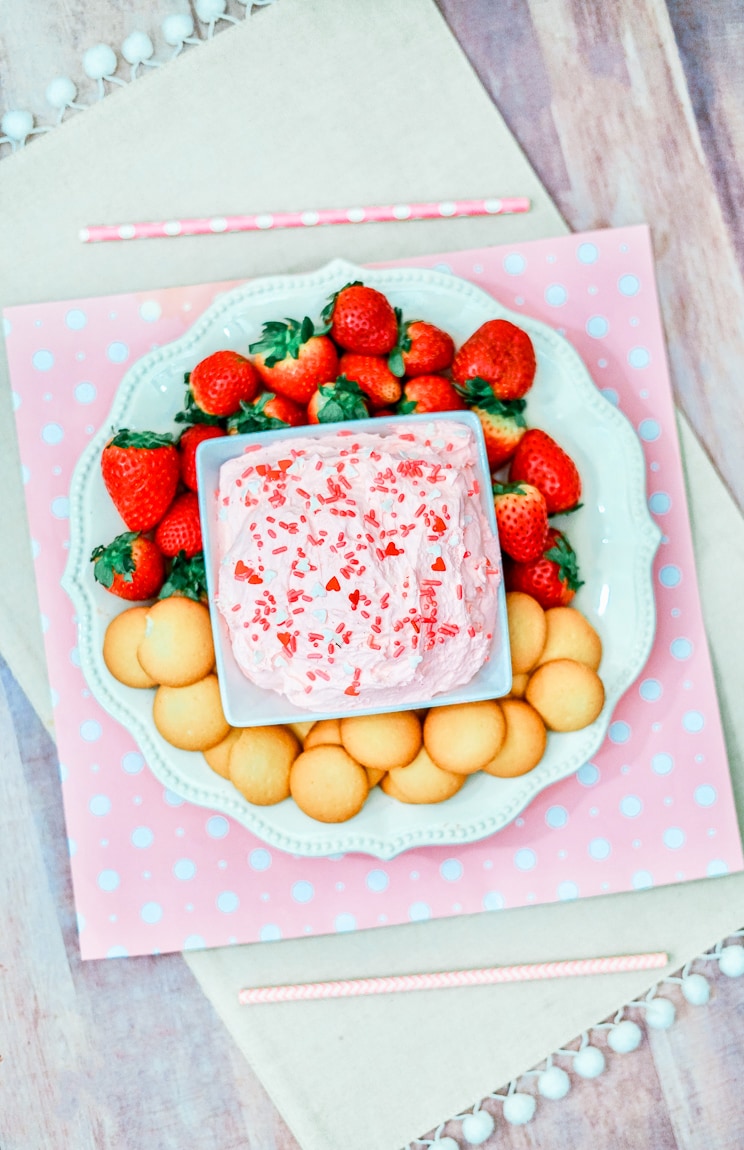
{"points": [[477, 392], [563, 554], [187, 577], [115, 559]]}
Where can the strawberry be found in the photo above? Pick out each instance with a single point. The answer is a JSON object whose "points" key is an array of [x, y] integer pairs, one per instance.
{"points": [[140, 470], [540, 461], [422, 349], [500, 353], [429, 393], [501, 419], [522, 519], [292, 360], [552, 579], [190, 439], [267, 413], [180, 527], [187, 577], [335, 402], [360, 319], [374, 377], [218, 385], [131, 567]]}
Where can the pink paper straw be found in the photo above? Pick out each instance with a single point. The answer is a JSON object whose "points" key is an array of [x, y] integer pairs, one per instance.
{"points": [[266, 221], [303, 992]]}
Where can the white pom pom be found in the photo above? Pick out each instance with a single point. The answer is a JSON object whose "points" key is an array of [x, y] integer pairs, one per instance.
{"points": [[660, 1014], [554, 1083], [445, 1143], [99, 61], [589, 1062], [137, 48], [625, 1037], [476, 1128], [731, 961], [696, 989], [177, 28], [208, 10], [519, 1109], [16, 125], [60, 92]]}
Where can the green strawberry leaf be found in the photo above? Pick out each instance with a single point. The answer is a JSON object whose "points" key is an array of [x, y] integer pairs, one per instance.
{"points": [[192, 413], [141, 439], [563, 554], [509, 489], [114, 559], [253, 418], [280, 340], [344, 400], [395, 362], [478, 392], [327, 312], [406, 406], [569, 510], [187, 577]]}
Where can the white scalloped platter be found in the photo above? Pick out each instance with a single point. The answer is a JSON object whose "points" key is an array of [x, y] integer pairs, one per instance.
{"points": [[613, 535]]}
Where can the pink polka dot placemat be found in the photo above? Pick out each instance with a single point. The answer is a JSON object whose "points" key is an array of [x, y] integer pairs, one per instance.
{"points": [[153, 873]]}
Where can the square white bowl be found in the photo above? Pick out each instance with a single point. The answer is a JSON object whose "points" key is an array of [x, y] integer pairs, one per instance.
{"points": [[247, 705]]}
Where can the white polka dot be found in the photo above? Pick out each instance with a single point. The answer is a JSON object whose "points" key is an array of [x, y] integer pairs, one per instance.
{"points": [[599, 849], [228, 902], [108, 880], [628, 285], [71, 847], [649, 430], [172, 227], [447, 208], [43, 360], [588, 775], [674, 838], [310, 219], [493, 900], [142, 837], [619, 732], [659, 503], [99, 805], [631, 806], [525, 859], [127, 231], [642, 880], [401, 211], [597, 326], [567, 890], [493, 206], [52, 434], [184, 869], [345, 923], [705, 796], [85, 392], [716, 867], [259, 859], [587, 253], [171, 798], [556, 295], [90, 730], [650, 690], [76, 319], [451, 870], [7, 327], [117, 352], [117, 952], [193, 942], [264, 221], [132, 762], [150, 310], [681, 648], [442, 267], [217, 827], [670, 576], [639, 357], [419, 912], [514, 264], [151, 912], [269, 933], [693, 721], [218, 224], [303, 891]]}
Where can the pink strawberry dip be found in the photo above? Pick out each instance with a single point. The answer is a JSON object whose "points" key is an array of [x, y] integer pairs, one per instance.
{"points": [[358, 568]]}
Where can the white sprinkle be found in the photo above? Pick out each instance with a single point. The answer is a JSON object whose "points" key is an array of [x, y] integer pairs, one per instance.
{"points": [[387, 505], [318, 591], [348, 669], [268, 576], [257, 656], [435, 550], [435, 493], [414, 660], [321, 614], [302, 565], [438, 443]]}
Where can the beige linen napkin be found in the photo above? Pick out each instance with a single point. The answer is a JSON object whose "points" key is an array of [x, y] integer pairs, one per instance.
{"points": [[321, 103]]}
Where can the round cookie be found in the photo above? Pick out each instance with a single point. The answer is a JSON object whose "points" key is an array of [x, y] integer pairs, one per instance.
{"points": [[570, 636], [260, 763], [382, 741], [177, 647], [218, 757], [191, 717], [120, 643], [323, 733], [328, 785], [374, 775], [422, 781], [524, 744], [465, 737], [527, 630], [566, 694], [300, 729], [519, 685]]}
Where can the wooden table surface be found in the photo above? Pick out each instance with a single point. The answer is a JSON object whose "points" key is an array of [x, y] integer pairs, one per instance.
{"points": [[630, 111]]}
